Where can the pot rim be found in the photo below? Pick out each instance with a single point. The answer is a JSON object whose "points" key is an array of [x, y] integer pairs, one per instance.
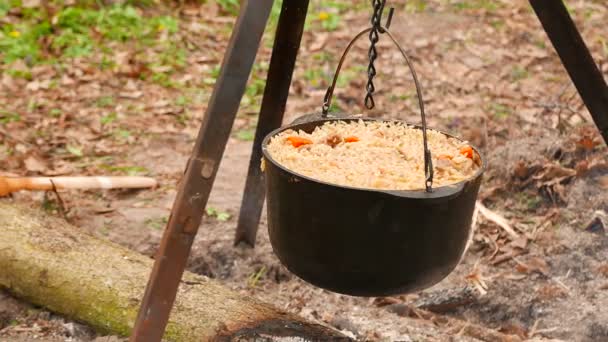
{"points": [[442, 191]]}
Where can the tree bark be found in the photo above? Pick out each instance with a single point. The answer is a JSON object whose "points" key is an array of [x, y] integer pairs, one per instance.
{"points": [[48, 262]]}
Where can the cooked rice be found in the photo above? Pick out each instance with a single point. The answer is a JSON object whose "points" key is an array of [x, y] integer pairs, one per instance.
{"points": [[387, 155]]}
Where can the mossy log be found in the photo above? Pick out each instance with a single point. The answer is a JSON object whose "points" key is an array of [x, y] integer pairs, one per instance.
{"points": [[50, 263]]}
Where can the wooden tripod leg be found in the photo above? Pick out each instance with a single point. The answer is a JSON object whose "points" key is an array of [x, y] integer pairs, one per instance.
{"points": [[576, 58], [198, 179], [282, 63]]}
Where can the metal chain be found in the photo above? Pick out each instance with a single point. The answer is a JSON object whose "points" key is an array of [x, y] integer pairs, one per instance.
{"points": [[374, 37]]}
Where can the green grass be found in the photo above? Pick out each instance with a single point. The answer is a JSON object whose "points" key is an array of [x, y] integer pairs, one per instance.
{"points": [[105, 101], [94, 31], [128, 170], [7, 117], [74, 150], [182, 101], [416, 6], [182, 118], [255, 277], [229, 6], [20, 74], [258, 82], [5, 6], [326, 15], [528, 201], [218, 214], [122, 134], [519, 73], [323, 57], [315, 77], [498, 24], [334, 107], [247, 134], [55, 112], [156, 223], [488, 5], [500, 111], [349, 74], [82, 30], [108, 118], [540, 43]]}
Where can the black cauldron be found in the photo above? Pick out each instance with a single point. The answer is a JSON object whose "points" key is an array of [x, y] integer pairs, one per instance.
{"points": [[365, 242]]}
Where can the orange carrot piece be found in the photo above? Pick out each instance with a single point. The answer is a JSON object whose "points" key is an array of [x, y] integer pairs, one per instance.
{"points": [[444, 156], [351, 139], [297, 141], [587, 143], [467, 151]]}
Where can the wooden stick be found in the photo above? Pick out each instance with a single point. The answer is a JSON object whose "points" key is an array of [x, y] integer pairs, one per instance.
{"points": [[13, 184], [576, 58], [496, 218]]}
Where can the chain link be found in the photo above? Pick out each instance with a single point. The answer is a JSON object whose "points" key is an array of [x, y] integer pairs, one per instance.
{"points": [[374, 37]]}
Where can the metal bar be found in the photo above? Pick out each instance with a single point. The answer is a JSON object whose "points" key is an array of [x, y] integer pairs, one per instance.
{"points": [[195, 186], [282, 63], [576, 58]]}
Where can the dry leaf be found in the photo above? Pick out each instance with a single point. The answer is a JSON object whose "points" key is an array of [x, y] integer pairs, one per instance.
{"points": [[473, 62], [534, 264], [603, 181], [319, 42], [160, 104], [598, 165], [61, 168], [581, 167], [514, 329], [34, 164], [522, 268], [553, 171], [384, 301], [539, 264], [603, 270], [131, 95], [67, 81], [521, 242], [513, 276], [550, 292], [205, 59], [30, 3], [103, 210], [37, 85], [521, 170]]}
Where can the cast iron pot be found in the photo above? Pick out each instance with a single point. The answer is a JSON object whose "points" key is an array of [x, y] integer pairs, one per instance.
{"points": [[364, 242]]}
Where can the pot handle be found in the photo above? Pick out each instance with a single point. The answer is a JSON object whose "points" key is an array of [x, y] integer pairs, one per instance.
{"points": [[428, 163]]}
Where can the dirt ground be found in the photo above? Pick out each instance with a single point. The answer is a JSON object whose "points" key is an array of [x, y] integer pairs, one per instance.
{"points": [[489, 75]]}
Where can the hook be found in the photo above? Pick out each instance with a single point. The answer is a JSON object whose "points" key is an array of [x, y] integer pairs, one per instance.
{"points": [[391, 11], [389, 19]]}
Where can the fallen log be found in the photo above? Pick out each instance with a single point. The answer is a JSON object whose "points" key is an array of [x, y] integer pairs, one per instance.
{"points": [[50, 263]]}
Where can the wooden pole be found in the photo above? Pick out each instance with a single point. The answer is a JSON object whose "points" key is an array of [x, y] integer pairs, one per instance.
{"points": [[285, 50], [576, 58], [199, 176]]}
